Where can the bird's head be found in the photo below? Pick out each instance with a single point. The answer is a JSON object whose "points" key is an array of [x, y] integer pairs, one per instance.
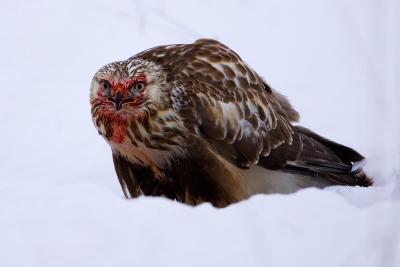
{"points": [[130, 88]]}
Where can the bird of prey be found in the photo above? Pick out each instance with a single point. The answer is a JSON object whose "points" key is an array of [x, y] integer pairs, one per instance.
{"points": [[195, 123]]}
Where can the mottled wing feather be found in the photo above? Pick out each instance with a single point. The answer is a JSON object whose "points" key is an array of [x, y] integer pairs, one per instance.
{"points": [[139, 180], [126, 176], [314, 155], [224, 101]]}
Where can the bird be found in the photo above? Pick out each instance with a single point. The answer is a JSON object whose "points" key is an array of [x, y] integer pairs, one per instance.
{"points": [[195, 124]]}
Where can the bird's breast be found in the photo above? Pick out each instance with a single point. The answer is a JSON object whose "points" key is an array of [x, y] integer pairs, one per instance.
{"points": [[151, 141]]}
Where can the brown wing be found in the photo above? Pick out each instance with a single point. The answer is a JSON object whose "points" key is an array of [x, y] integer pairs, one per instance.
{"points": [[314, 155], [138, 180], [222, 100], [126, 176]]}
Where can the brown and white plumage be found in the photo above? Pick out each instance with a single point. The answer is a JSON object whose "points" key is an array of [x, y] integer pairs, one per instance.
{"points": [[195, 123]]}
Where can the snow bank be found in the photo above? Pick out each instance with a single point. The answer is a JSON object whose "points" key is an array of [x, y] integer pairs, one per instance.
{"points": [[60, 202], [88, 225]]}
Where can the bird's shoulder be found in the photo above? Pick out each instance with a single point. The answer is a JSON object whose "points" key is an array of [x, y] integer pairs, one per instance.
{"points": [[206, 60]]}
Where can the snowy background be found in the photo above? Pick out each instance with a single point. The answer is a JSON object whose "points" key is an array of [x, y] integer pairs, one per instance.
{"points": [[60, 201]]}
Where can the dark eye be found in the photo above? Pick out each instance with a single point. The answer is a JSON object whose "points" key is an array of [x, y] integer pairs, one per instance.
{"points": [[137, 88], [105, 85]]}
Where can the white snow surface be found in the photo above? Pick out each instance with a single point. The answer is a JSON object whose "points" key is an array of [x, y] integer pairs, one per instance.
{"points": [[60, 201]]}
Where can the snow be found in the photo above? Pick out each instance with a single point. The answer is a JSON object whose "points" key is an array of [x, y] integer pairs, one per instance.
{"points": [[60, 201]]}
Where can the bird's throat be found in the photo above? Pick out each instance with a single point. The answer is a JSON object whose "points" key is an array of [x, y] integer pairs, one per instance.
{"points": [[114, 126], [119, 133]]}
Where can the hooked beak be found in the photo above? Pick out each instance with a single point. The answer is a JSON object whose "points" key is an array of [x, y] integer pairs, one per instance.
{"points": [[117, 101]]}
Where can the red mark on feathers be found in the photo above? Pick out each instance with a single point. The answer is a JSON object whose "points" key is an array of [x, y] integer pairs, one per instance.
{"points": [[103, 110], [124, 86], [119, 132], [115, 124]]}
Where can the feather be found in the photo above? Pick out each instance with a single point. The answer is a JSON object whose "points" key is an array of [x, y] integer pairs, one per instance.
{"points": [[208, 128], [260, 130]]}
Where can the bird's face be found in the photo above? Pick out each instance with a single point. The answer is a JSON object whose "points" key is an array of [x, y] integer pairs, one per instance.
{"points": [[123, 92], [127, 88]]}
